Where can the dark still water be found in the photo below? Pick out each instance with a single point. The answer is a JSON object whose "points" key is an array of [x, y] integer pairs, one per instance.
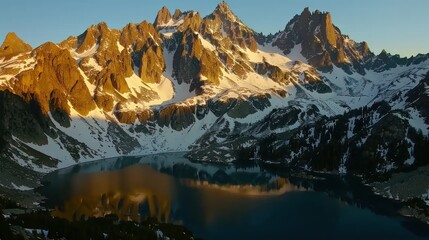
{"points": [[222, 202]]}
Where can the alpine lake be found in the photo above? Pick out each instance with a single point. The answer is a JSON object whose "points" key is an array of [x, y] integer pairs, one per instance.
{"points": [[226, 201]]}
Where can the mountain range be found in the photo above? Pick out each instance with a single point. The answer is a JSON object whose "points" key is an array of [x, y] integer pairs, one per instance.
{"points": [[307, 96]]}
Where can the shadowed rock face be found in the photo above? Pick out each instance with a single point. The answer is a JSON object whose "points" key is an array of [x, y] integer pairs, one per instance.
{"points": [[418, 97], [386, 61], [13, 45], [21, 119], [59, 108]]}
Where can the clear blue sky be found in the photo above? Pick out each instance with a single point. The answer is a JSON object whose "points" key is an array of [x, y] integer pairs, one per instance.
{"points": [[399, 26]]}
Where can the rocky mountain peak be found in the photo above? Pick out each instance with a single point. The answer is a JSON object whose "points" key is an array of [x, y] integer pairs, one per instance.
{"points": [[384, 53], [306, 13], [316, 23], [225, 13], [92, 36], [191, 20], [224, 24], [163, 17], [138, 35], [47, 47], [177, 14], [13, 45], [322, 43], [223, 7]]}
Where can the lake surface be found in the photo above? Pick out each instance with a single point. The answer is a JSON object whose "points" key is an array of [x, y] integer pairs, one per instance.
{"points": [[223, 202]]}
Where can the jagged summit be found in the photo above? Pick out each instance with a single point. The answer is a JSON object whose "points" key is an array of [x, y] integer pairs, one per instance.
{"points": [[224, 11], [180, 21], [322, 43], [223, 7], [92, 36], [307, 11], [163, 17], [225, 23], [309, 24], [177, 14], [13, 45]]}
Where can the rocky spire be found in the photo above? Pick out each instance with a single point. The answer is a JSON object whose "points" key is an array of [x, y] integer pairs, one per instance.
{"points": [[92, 36], [327, 29], [223, 7], [224, 10], [306, 13], [177, 14], [163, 17], [308, 24], [224, 22], [13, 45]]}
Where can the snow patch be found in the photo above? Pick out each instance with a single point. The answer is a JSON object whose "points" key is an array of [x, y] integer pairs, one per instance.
{"points": [[91, 87], [21, 188], [206, 44], [92, 63], [38, 231], [418, 122], [87, 53], [296, 55], [120, 47]]}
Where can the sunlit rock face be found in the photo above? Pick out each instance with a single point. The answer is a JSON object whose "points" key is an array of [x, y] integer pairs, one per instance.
{"points": [[13, 46]]}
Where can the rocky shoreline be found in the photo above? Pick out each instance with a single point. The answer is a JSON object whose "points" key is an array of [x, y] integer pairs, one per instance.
{"points": [[411, 188], [17, 184]]}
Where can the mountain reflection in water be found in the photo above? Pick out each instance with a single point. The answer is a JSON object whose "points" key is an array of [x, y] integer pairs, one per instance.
{"points": [[278, 187], [139, 191], [120, 192], [225, 202]]}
